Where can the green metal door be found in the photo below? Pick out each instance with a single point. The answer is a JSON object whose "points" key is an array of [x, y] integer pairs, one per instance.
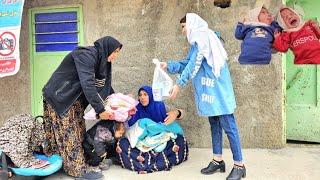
{"points": [[54, 33], [303, 89]]}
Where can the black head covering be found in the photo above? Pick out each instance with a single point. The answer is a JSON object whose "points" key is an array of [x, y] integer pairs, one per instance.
{"points": [[105, 47]]}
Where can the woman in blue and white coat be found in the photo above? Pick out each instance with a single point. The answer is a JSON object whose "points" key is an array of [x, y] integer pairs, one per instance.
{"points": [[206, 66]]}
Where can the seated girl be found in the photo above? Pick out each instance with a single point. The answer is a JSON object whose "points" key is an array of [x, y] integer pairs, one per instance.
{"points": [[154, 141], [99, 141]]}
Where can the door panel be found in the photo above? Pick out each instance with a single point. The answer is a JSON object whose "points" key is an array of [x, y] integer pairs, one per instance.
{"points": [[303, 89], [54, 33], [44, 66]]}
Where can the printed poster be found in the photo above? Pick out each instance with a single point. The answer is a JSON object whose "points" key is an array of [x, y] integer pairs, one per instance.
{"points": [[10, 22]]}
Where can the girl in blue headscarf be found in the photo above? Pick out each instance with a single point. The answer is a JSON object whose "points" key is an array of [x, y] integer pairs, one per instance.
{"points": [[176, 150]]}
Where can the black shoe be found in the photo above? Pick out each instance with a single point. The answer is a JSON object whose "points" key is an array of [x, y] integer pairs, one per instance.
{"points": [[213, 166], [237, 172]]}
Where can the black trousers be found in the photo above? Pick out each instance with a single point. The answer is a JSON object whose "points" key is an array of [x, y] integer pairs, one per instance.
{"points": [[92, 157]]}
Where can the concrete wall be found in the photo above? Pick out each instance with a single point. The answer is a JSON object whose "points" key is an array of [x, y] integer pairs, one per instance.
{"points": [[149, 29]]}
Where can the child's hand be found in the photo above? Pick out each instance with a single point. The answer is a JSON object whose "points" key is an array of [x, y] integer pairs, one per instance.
{"points": [[315, 24], [276, 33]]}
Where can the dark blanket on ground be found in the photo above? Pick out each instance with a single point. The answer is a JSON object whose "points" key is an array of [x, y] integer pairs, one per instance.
{"points": [[133, 159]]}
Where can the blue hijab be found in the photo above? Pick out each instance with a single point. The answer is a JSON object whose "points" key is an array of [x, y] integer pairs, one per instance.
{"points": [[155, 110]]}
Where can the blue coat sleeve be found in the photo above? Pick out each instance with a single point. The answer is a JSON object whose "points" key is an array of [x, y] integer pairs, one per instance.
{"points": [[175, 67], [188, 68], [239, 32]]}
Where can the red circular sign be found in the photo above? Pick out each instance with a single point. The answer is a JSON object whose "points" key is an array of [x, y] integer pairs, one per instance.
{"points": [[7, 43]]}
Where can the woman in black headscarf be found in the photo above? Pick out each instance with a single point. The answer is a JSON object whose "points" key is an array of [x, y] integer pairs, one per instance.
{"points": [[83, 77]]}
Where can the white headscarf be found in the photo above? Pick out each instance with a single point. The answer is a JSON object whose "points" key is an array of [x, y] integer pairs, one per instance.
{"points": [[208, 43], [253, 17], [283, 24]]}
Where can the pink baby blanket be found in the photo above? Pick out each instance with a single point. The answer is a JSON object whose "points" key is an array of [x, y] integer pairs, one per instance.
{"points": [[119, 104]]}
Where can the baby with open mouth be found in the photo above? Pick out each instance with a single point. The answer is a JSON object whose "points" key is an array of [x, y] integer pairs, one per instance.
{"points": [[291, 19], [301, 37]]}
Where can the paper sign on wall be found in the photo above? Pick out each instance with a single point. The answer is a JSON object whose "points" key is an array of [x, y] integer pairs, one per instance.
{"points": [[10, 22]]}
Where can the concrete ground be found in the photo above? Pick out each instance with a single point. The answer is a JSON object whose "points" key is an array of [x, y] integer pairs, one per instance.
{"points": [[290, 163]]}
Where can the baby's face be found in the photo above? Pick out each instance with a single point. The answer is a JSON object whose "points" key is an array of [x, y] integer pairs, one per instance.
{"points": [[290, 18], [265, 16]]}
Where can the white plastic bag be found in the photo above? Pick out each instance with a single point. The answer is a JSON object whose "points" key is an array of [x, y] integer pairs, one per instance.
{"points": [[162, 83]]}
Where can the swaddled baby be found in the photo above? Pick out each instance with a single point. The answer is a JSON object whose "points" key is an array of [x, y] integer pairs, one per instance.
{"points": [[122, 106]]}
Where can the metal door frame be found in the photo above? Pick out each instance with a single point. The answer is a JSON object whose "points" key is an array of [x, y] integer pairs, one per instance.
{"points": [[49, 9]]}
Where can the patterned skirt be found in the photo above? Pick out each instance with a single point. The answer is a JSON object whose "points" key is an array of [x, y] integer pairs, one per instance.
{"points": [[64, 136], [133, 159]]}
